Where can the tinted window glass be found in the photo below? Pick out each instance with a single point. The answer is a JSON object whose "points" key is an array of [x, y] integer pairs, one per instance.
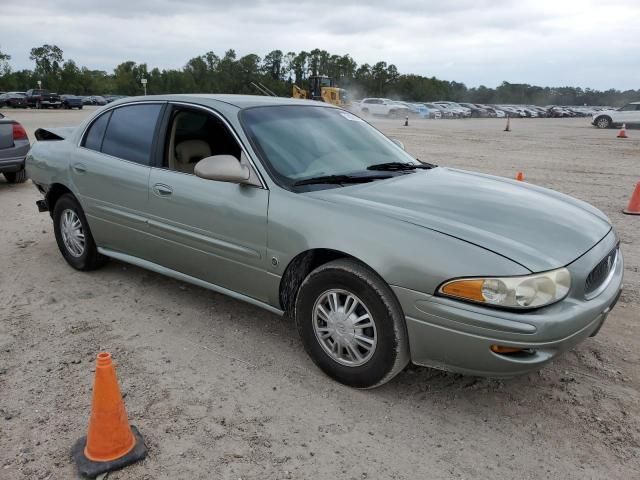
{"points": [[130, 133], [298, 143], [93, 139]]}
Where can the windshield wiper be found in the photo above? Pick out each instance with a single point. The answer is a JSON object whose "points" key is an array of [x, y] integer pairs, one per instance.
{"points": [[340, 179], [400, 166]]}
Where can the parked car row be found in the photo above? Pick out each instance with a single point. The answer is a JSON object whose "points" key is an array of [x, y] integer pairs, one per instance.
{"points": [[40, 98], [448, 109]]}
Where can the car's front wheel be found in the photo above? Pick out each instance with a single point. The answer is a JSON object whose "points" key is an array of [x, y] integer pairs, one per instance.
{"points": [[351, 324], [603, 122], [73, 235]]}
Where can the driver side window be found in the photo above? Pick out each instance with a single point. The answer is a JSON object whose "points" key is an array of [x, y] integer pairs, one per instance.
{"points": [[192, 135]]}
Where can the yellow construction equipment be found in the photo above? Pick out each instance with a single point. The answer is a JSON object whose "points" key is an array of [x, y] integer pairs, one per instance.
{"points": [[323, 89]]}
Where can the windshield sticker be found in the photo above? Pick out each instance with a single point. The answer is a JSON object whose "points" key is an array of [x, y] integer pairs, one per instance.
{"points": [[351, 116]]}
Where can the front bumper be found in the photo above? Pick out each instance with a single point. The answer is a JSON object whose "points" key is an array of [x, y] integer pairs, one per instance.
{"points": [[456, 336]]}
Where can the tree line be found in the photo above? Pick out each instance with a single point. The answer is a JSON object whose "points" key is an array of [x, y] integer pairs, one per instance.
{"points": [[278, 71]]}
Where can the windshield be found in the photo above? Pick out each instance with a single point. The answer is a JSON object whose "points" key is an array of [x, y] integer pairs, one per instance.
{"points": [[301, 142]]}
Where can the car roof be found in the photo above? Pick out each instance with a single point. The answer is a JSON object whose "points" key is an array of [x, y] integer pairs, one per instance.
{"points": [[239, 101]]}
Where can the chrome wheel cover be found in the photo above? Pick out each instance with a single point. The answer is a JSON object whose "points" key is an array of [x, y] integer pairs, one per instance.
{"points": [[72, 233], [344, 327]]}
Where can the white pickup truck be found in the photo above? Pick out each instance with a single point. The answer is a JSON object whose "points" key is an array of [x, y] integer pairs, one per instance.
{"points": [[629, 114]]}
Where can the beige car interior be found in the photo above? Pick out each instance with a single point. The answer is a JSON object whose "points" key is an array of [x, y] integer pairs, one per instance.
{"points": [[194, 136]]}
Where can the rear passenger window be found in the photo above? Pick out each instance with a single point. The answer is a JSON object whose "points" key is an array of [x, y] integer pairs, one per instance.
{"points": [[95, 134], [130, 133]]}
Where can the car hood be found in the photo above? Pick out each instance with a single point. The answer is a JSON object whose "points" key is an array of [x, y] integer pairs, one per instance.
{"points": [[538, 228]]}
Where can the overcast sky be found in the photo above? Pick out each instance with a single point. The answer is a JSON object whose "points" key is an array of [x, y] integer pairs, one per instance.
{"points": [[584, 43]]}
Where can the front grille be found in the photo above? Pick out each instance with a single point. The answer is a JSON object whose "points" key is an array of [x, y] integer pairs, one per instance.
{"points": [[600, 273]]}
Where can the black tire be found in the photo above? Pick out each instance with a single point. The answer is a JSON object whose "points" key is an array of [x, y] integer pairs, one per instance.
{"points": [[16, 177], [391, 353], [603, 122], [90, 259]]}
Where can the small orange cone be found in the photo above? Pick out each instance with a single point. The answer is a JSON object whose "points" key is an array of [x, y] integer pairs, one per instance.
{"points": [[111, 443], [520, 176], [623, 132], [634, 202], [508, 127]]}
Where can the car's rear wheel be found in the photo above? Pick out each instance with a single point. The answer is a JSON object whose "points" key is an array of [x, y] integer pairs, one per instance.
{"points": [[603, 122], [365, 111], [73, 235], [16, 177], [351, 324]]}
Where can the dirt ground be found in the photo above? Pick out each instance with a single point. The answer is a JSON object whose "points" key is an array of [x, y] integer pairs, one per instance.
{"points": [[221, 389]]}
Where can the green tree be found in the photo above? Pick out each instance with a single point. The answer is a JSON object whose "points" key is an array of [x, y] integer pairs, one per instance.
{"points": [[48, 59], [5, 68], [272, 64]]}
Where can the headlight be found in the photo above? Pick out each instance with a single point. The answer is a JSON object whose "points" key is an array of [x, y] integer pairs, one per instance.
{"points": [[529, 291]]}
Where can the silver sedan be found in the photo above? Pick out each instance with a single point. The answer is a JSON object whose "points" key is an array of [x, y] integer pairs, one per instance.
{"points": [[305, 209]]}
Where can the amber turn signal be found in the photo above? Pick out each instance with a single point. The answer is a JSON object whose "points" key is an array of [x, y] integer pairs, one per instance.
{"points": [[468, 289], [501, 349]]}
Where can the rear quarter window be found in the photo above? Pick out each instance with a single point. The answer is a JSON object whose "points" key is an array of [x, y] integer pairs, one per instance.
{"points": [[95, 134]]}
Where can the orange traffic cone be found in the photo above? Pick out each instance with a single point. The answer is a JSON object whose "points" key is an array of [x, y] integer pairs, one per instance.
{"points": [[634, 202], [520, 176], [623, 132], [508, 127], [111, 443]]}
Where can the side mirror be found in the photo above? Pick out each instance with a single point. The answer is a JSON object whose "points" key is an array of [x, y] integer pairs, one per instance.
{"points": [[223, 168], [398, 142]]}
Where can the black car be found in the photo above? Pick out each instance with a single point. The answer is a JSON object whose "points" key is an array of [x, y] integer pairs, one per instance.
{"points": [[71, 101], [13, 100], [113, 98], [476, 111], [94, 100]]}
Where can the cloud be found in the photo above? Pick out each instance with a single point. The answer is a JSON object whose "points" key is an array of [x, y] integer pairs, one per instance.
{"points": [[583, 43]]}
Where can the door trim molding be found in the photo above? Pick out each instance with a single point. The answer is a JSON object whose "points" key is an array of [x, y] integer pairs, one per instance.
{"points": [[154, 267]]}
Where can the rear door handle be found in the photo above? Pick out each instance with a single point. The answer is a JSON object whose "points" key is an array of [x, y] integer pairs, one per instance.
{"points": [[79, 168], [162, 190]]}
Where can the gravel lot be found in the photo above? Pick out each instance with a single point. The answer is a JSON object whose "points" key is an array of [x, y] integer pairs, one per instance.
{"points": [[221, 389]]}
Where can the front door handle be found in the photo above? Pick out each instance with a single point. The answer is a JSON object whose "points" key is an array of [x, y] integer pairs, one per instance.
{"points": [[162, 190], [79, 168]]}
